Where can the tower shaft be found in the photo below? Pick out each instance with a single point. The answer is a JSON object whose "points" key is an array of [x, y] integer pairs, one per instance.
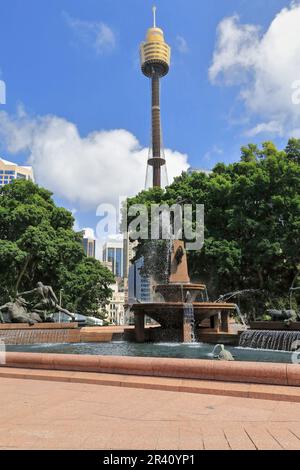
{"points": [[155, 63], [156, 131]]}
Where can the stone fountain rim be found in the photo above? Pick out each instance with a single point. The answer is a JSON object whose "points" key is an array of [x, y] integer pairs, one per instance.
{"points": [[197, 305], [185, 285]]}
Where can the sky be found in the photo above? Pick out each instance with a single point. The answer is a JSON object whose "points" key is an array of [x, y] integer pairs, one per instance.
{"points": [[78, 108]]}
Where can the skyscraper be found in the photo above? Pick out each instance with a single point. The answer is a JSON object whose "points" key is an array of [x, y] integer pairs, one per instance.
{"points": [[155, 63], [113, 253]]}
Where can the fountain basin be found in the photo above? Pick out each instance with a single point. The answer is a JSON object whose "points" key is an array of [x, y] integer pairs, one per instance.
{"points": [[177, 292], [196, 351], [170, 315]]}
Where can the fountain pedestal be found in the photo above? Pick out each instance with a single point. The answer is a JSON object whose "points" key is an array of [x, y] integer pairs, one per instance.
{"points": [[183, 310], [139, 324]]}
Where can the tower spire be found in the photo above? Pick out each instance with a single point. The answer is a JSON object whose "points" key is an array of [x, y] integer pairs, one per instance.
{"points": [[154, 16], [155, 63]]}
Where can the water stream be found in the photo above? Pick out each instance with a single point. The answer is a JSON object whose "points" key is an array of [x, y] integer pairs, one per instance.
{"points": [[238, 311], [270, 339], [189, 320]]}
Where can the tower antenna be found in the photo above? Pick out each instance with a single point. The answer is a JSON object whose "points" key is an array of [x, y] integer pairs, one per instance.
{"points": [[154, 16]]}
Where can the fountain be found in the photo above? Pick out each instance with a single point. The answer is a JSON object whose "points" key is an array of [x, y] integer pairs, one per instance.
{"points": [[276, 340], [281, 333], [183, 311]]}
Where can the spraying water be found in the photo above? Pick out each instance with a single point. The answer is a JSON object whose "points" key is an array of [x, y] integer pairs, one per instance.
{"points": [[230, 295]]}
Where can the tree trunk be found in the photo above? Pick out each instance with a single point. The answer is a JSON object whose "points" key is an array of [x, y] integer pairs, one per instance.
{"points": [[21, 275], [261, 279]]}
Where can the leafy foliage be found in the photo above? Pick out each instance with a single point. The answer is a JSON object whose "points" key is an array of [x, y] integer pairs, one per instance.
{"points": [[252, 221], [38, 243]]}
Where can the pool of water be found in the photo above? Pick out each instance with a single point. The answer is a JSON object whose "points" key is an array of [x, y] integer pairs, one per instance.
{"points": [[177, 350]]}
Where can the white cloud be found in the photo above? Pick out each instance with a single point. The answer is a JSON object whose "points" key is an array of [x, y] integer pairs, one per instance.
{"points": [[182, 45], [271, 127], [95, 34], [85, 171], [2, 92], [264, 66]]}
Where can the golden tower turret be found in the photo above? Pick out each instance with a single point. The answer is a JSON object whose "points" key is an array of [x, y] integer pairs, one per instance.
{"points": [[155, 63]]}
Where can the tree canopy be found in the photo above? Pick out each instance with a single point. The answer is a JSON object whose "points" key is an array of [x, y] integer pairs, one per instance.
{"points": [[252, 220], [38, 243]]}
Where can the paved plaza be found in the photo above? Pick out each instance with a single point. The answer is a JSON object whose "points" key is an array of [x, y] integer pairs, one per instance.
{"points": [[40, 414]]}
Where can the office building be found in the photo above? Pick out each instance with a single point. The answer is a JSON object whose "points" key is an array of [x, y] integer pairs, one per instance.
{"points": [[10, 171], [139, 286], [113, 253], [115, 309]]}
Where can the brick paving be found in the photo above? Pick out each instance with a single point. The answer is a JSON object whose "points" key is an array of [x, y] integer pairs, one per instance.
{"points": [[39, 414]]}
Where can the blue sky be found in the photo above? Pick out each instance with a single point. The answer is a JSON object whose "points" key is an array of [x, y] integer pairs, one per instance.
{"points": [[78, 60]]}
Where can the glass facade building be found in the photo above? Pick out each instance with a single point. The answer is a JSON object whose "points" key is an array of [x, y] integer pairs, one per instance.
{"points": [[113, 253]]}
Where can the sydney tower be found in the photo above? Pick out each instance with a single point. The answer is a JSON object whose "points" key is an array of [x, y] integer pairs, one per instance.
{"points": [[155, 62]]}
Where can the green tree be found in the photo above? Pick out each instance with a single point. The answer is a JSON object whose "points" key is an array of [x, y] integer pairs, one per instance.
{"points": [[38, 243], [252, 221], [87, 286], [293, 150]]}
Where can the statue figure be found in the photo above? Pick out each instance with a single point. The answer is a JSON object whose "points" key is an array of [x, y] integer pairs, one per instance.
{"points": [[18, 313], [47, 301], [21, 311], [179, 254], [224, 354], [288, 316]]}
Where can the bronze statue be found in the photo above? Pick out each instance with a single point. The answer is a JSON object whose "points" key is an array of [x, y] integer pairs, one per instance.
{"points": [[21, 311], [17, 312], [224, 354], [179, 255], [47, 301], [288, 316]]}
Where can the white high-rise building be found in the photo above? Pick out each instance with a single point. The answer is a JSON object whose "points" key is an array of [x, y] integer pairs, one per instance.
{"points": [[89, 242], [10, 171]]}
